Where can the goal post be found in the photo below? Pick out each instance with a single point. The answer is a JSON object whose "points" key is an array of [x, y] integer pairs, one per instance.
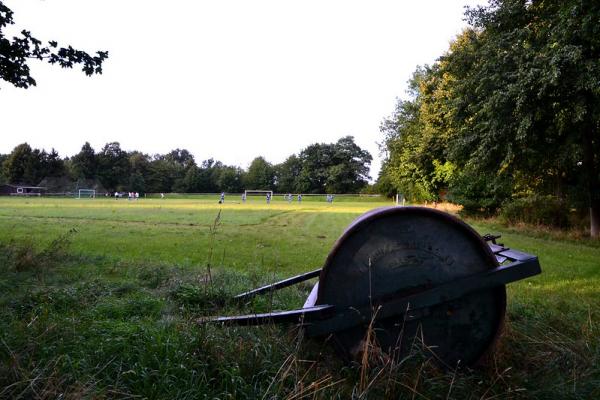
{"points": [[262, 193], [86, 194]]}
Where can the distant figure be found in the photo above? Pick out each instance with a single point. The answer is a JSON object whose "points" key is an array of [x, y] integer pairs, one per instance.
{"points": [[222, 199], [243, 197], [268, 198], [116, 195], [289, 197], [137, 195], [162, 195], [299, 198]]}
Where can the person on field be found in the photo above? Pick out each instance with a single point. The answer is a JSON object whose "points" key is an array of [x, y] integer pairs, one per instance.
{"points": [[268, 198], [243, 197], [137, 195], [289, 197], [116, 195], [222, 199]]}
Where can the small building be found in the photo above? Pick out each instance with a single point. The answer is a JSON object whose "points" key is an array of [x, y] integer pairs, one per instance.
{"points": [[9, 189]]}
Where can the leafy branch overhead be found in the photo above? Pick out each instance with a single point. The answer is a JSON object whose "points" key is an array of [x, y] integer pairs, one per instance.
{"points": [[15, 54]]}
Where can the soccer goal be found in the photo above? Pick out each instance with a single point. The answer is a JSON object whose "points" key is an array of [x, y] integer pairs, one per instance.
{"points": [[86, 194], [261, 193]]}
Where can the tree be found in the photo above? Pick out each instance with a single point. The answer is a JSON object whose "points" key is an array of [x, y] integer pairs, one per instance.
{"points": [[190, 182], [315, 159], [260, 175], [16, 53], [3, 178], [349, 171], [181, 157], [139, 167], [527, 94], [230, 179], [340, 167], [53, 165], [113, 166], [85, 163], [17, 167], [287, 174], [208, 174], [409, 164], [161, 175]]}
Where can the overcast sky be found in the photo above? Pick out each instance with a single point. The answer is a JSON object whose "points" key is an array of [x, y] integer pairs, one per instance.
{"points": [[225, 79]]}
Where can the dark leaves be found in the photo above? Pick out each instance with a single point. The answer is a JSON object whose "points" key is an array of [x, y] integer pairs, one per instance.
{"points": [[15, 54]]}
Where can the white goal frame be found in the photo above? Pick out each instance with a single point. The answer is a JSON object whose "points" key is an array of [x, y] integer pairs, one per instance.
{"points": [[257, 193], [90, 191]]}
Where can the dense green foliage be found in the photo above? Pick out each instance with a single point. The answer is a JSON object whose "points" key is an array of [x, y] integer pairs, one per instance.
{"points": [[511, 110], [340, 167], [116, 318], [537, 210]]}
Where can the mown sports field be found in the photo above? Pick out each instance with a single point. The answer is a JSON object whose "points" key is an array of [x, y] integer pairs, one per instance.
{"points": [[99, 298]]}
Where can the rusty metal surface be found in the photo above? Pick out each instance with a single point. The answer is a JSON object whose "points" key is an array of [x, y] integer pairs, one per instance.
{"points": [[401, 251]]}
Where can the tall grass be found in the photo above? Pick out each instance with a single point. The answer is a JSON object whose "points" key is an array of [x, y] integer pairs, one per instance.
{"points": [[93, 325]]}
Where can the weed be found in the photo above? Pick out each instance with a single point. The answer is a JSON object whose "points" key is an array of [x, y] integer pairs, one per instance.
{"points": [[23, 256]]}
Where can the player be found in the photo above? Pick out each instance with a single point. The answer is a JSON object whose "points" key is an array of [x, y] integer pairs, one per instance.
{"points": [[269, 198], [299, 198], [243, 197], [222, 200], [289, 198]]}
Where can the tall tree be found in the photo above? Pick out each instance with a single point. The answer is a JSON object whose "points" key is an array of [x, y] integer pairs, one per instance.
{"points": [[17, 167], [16, 53], [260, 175], [53, 164], [231, 179], [287, 174], [29, 166], [113, 166], [349, 171], [3, 178], [527, 93], [315, 159], [85, 163]]}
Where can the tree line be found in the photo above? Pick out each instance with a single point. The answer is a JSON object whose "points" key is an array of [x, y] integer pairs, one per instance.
{"points": [[510, 111], [340, 167]]}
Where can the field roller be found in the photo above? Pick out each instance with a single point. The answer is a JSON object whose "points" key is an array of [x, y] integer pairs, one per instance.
{"points": [[408, 272]]}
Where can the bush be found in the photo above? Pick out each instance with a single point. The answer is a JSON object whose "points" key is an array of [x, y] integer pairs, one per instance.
{"points": [[536, 210], [24, 256], [480, 194]]}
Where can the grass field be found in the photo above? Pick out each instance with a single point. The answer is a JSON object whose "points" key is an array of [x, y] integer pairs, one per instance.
{"points": [[98, 298]]}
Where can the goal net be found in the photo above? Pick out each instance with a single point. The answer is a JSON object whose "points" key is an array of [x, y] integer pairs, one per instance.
{"points": [[86, 194]]}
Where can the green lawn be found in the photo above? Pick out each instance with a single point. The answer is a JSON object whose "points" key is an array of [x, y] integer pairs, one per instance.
{"points": [[112, 313], [288, 237]]}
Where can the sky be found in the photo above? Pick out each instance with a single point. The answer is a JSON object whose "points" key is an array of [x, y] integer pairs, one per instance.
{"points": [[228, 79]]}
